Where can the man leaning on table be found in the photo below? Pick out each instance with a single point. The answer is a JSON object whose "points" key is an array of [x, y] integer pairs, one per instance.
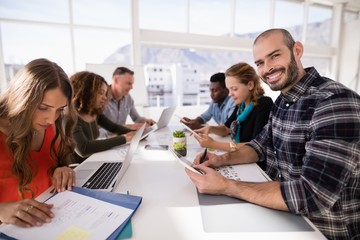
{"points": [[311, 144], [121, 104]]}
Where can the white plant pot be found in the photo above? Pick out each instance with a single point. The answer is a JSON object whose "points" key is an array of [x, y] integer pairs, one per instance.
{"points": [[180, 140]]}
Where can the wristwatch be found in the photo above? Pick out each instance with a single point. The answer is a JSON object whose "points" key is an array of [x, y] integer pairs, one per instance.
{"points": [[232, 146]]}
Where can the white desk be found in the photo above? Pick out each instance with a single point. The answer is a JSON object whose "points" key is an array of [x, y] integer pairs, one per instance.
{"points": [[170, 207]]}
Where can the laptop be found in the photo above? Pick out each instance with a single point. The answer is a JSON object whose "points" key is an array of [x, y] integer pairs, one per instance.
{"points": [[106, 175], [163, 122]]}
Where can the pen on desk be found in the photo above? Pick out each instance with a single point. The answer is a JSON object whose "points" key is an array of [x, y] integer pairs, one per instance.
{"points": [[202, 159]]}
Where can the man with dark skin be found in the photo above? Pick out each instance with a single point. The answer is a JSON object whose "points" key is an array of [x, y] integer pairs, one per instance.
{"points": [[220, 109]]}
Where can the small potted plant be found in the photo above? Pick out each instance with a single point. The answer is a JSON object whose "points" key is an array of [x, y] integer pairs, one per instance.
{"points": [[179, 142]]}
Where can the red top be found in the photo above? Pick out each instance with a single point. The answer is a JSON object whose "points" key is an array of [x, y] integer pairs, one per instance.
{"points": [[41, 164]]}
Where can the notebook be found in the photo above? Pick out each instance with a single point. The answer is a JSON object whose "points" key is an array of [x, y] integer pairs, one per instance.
{"points": [[163, 122], [106, 175], [234, 172], [215, 208]]}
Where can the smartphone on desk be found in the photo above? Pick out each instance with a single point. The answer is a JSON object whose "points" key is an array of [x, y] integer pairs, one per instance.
{"points": [[156, 147]]}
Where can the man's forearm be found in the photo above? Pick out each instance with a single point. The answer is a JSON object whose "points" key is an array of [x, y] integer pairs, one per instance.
{"points": [[244, 154], [266, 194]]}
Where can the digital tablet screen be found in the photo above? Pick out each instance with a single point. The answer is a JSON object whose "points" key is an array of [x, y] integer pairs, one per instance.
{"points": [[183, 161], [190, 130]]}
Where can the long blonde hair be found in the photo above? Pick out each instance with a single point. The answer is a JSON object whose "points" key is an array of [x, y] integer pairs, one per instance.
{"points": [[245, 73], [18, 104]]}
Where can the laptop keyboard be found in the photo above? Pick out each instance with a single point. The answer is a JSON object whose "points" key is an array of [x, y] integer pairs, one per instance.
{"points": [[103, 177]]}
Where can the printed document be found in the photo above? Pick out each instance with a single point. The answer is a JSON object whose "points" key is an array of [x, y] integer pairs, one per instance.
{"points": [[76, 217]]}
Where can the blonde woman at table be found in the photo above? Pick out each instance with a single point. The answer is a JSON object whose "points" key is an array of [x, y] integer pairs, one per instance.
{"points": [[90, 97], [35, 144], [250, 115]]}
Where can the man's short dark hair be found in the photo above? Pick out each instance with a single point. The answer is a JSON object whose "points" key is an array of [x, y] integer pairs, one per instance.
{"points": [[122, 71], [288, 39], [220, 78]]}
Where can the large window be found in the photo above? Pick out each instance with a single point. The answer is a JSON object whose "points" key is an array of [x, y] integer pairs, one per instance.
{"points": [[181, 76], [106, 13], [163, 15], [101, 46], [24, 42], [252, 17], [210, 17], [98, 33], [35, 10], [196, 39], [322, 65], [289, 15], [319, 26]]}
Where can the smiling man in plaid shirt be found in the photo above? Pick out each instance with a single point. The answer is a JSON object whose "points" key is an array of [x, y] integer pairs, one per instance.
{"points": [[311, 144]]}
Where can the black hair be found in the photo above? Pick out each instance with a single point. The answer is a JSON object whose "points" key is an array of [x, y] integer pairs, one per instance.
{"points": [[288, 39], [220, 78]]}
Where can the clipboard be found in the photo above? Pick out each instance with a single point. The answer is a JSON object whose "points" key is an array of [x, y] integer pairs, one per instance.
{"points": [[124, 200]]}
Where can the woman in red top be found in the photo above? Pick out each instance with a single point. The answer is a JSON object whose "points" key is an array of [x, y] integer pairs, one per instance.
{"points": [[35, 143]]}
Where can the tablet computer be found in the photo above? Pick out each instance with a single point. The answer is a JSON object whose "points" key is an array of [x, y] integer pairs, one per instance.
{"points": [[183, 161], [190, 130]]}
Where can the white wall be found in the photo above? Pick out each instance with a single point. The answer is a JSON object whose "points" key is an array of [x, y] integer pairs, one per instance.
{"points": [[350, 56]]}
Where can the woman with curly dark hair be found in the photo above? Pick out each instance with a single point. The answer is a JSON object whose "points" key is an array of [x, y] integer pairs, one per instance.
{"points": [[35, 143], [90, 97]]}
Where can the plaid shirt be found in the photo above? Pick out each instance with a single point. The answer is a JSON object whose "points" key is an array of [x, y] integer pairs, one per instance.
{"points": [[311, 144]]}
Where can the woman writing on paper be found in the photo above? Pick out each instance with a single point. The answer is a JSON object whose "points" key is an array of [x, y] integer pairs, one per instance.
{"points": [[249, 117], [90, 97], [35, 144]]}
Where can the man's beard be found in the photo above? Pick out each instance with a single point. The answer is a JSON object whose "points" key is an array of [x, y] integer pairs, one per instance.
{"points": [[292, 73]]}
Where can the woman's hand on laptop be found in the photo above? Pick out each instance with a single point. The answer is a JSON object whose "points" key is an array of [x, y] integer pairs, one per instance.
{"points": [[26, 213], [134, 126], [63, 178], [128, 136], [149, 121]]}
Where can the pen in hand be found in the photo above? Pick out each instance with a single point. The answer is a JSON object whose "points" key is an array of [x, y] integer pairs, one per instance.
{"points": [[202, 159]]}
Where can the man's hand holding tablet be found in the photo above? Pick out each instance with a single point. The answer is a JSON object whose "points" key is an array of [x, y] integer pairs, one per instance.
{"points": [[190, 130], [183, 161]]}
